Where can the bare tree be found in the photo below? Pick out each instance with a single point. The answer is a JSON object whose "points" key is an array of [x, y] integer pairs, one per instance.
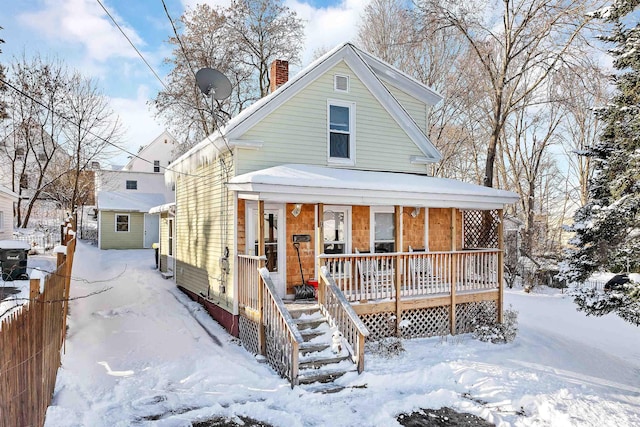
{"points": [[200, 41], [92, 128], [401, 35], [263, 31], [30, 144], [517, 45], [3, 88]]}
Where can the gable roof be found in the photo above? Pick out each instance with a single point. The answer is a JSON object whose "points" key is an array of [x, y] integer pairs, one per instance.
{"points": [[5, 191], [128, 202], [370, 70], [318, 184], [141, 154]]}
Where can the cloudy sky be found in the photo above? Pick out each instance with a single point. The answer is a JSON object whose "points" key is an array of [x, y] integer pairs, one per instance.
{"points": [[80, 33]]}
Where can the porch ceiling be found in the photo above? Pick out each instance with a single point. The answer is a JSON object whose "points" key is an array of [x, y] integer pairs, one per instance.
{"points": [[296, 183]]}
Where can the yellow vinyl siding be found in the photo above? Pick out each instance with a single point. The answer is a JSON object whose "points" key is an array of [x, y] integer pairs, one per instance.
{"points": [[417, 109], [297, 131], [132, 239], [203, 231]]}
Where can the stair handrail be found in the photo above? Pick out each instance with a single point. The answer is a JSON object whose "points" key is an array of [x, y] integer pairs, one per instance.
{"points": [[290, 332], [335, 307]]}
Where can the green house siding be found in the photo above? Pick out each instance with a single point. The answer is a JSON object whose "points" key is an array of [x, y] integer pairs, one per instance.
{"points": [[204, 228], [110, 239], [297, 131]]}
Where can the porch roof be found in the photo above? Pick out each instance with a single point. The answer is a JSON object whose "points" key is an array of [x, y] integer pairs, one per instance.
{"points": [[296, 183]]}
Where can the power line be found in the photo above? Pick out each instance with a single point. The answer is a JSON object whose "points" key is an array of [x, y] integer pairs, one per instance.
{"points": [[132, 45], [69, 120]]}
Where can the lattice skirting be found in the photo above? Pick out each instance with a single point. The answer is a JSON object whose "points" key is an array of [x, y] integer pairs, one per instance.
{"points": [[249, 335], [380, 325], [466, 313], [426, 322]]}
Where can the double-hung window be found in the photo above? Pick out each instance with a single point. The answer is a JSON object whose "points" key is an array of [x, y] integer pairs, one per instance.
{"points": [[122, 223], [341, 144], [156, 165]]}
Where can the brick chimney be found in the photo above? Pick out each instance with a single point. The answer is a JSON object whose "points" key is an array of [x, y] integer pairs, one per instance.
{"points": [[278, 74]]}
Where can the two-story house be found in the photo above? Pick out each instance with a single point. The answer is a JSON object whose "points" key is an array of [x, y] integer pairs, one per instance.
{"points": [[125, 196], [327, 179]]}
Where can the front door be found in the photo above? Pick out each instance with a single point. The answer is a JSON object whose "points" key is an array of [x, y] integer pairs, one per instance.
{"points": [[151, 229], [274, 240]]}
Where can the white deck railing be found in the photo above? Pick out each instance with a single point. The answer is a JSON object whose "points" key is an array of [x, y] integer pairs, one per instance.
{"points": [[376, 276]]}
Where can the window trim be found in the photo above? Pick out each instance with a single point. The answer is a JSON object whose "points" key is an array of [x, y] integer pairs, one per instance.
{"points": [[346, 210], [128, 222], [373, 210], [351, 161]]}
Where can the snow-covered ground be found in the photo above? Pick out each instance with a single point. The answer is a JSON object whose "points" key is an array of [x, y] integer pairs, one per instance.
{"points": [[141, 353]]}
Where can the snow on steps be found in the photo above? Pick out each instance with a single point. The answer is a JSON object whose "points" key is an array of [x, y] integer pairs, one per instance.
{"points": [[319, 366]]}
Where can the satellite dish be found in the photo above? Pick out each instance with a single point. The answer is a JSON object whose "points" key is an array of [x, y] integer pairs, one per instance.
{"points": [[210, 80]]}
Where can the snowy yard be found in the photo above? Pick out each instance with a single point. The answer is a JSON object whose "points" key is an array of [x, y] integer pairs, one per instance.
{"points": [[143, 353]]}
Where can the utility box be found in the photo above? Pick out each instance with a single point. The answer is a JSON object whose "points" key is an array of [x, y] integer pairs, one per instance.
{"points": [[13, 259]]}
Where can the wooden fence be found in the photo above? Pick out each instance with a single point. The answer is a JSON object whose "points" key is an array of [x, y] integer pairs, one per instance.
{"points": [[30, 342]]}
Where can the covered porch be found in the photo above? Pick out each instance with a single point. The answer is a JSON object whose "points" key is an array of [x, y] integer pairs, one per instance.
{"points": [[392, 254]]}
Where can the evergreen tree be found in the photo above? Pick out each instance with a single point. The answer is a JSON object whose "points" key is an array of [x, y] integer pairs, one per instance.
{"points": [[608, 227]]}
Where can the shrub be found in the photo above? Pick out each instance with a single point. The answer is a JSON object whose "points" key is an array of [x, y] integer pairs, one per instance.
{"points": [[487, 329]]}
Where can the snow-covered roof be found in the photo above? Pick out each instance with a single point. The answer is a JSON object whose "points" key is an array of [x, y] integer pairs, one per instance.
{"points": [[167, 207], [14, 244], [130, 202], [297, 183], [7, 192], [370, 70]]}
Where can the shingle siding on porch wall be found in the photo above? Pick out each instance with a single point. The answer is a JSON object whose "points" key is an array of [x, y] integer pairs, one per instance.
{"points": [[303, 224], [440, 229], [297, 131], [412, 229], [360, 236], [110, 239], [200, 233]]}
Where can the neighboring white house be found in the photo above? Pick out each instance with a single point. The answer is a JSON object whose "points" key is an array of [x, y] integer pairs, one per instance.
{"points": [[7, 198], [155, 156], [125, 195]]}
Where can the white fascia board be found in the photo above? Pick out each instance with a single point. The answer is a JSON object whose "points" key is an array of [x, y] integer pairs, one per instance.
{"points": [[401, 80], [295, 194], [392, 106], [420, 160]]}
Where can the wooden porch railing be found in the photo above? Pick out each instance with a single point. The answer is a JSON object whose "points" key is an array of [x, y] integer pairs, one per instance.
{"points": [[249, 280], [381, 276], [282, 339], [340, 314]]}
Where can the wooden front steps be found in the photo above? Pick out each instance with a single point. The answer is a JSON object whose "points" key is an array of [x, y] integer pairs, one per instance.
{"points": [[318, 364]]}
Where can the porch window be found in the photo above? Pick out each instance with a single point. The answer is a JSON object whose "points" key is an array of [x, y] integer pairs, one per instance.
{"points": [[122, 223], [383, 229], [270, 240], [341, 132], [336, 228]]}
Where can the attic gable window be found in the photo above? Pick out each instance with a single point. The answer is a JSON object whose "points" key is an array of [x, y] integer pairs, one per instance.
{"points": [[341, 139], [341, 83]]}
